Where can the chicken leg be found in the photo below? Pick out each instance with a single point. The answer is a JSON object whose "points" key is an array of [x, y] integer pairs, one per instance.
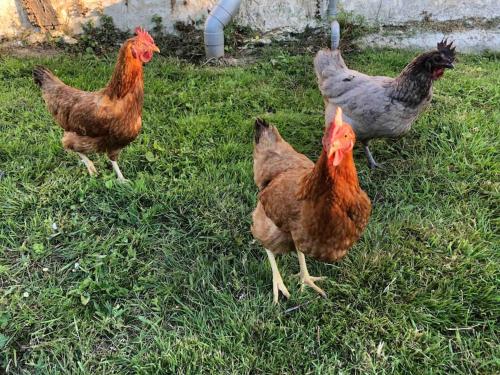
{"points": [[118, 172], [88, 163], [371, 161], [278, 284], [305, 278], [113, 157]]}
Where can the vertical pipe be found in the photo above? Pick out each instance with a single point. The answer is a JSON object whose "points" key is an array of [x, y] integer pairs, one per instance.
{"points": [[332, 8], [219, 17], [334, 27]]}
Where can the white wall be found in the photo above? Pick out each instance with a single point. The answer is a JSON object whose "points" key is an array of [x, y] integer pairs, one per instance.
{"points": [[10, 18], [289, 15], [264, 15], [140, 12], [267, 15], [394, 12], [127, 14]]}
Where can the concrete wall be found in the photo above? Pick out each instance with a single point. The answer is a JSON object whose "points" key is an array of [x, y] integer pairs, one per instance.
{"points": [[131, 13], [265, 15], [288, 15], [127, 14], [295, 15], [11, 18], [396, 12]]}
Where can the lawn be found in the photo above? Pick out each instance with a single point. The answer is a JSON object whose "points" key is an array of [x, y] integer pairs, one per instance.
{"points": [[162, 275]]}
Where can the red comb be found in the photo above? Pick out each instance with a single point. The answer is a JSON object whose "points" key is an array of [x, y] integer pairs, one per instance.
{"points": [[333, 128], [144, 35]]}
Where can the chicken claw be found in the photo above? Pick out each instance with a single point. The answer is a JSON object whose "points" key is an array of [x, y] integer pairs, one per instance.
{"points": [[88, 163], [305, 278], [278, 284], [371, 161]]}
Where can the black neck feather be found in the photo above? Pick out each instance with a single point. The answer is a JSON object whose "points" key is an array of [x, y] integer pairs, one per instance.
{"points": [[414, 84]]}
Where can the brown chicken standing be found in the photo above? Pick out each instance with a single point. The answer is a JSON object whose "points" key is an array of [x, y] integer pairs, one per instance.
{"points": [[314, 209], [107, 120]]}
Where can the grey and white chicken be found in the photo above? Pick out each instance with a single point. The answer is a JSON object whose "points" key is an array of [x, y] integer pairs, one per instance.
{"points": [[375, 106]]}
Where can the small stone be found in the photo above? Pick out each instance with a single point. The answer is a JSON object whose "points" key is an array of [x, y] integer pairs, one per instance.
{"points": [[468, 23], [263, 42], [57, 34], [45, 269], [69, 40], [26, 294], [35, 38]]}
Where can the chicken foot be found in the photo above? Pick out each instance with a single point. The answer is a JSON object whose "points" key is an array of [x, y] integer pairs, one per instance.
{"points": [[371, 161], [278, 284], [305, 278], [88, 163]]}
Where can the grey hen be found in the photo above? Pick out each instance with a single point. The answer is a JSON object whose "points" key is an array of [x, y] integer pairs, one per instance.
{"points": [[380, 107]]}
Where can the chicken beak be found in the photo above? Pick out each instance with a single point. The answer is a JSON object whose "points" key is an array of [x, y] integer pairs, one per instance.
{"points": [[335, 146], [449, 65], [156, 49]]}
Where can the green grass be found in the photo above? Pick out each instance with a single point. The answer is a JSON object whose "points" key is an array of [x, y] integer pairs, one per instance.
{"points": [[163, 276]]}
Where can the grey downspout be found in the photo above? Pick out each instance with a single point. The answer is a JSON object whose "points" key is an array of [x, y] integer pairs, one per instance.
{"points": [[219, 17], [335, 27]]}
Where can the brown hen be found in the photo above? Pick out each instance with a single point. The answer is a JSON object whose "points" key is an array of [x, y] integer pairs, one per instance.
{"points": [[314, 209], [107, 120]]}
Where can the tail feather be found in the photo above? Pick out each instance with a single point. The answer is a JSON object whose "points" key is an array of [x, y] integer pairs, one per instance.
{"points": [[328, 60], [41, 74], [273, 155], [260, 127]]}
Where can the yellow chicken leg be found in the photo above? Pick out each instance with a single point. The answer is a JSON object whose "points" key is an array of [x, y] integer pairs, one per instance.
{"points": [[305, 278], [88, 163], [278, 284], [118, 172]]}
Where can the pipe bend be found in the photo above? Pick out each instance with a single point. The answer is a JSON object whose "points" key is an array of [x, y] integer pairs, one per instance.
{"points": [[213, 25], [231, 6], [219, 17]]}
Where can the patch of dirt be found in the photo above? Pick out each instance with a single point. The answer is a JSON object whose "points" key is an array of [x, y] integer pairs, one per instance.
{"points": [[230, 61], [188, 43], [19, 49], [446, 26], [242, 45]]}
